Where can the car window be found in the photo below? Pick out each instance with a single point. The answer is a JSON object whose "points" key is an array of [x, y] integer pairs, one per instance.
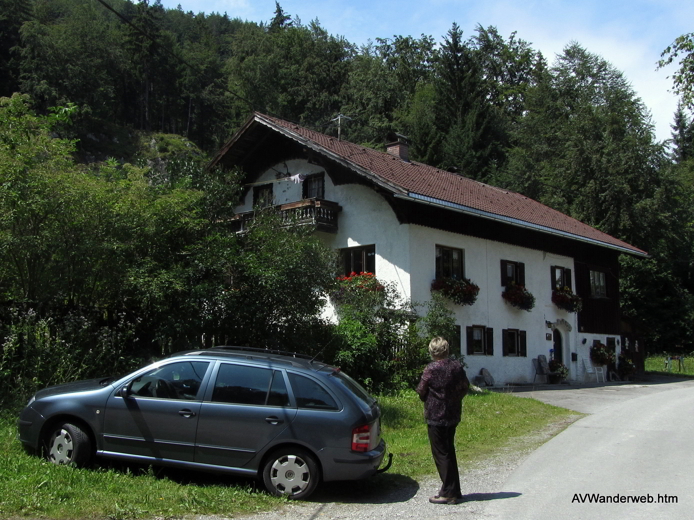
{"points": [[172, 381], [355, 388], [278, 391], [310, 394], [240, 384]]}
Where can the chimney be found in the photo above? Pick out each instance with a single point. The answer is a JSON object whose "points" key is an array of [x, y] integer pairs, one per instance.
{"points": [[398, 146]]}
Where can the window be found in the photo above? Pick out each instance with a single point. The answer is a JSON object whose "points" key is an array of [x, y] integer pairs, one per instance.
{"points": [[358, 260], [262, 196], [449, 263], [313, 187], [241, 385], [512, 272], [598, 289], [514, 342], [480, 341], [309, 394], [561, 277], [173, 381], [278, 391]]}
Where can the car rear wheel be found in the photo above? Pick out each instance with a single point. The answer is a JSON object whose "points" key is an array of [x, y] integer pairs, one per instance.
{"points": [[68, 444], [292, 472]]}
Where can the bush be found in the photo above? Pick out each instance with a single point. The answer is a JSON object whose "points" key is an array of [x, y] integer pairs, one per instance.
{"points": [[43, 351], [380, 340]]}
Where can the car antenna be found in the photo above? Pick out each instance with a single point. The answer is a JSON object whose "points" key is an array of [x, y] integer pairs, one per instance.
{"points": [[321, 350]]}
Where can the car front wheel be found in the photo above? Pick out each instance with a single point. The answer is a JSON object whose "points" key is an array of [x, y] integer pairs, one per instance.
{"points": [[68, 444], [292, 472]]}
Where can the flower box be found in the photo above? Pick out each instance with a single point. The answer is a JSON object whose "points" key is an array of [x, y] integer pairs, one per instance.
{"points": [[565, 299], [518, 296], [461, 292]]}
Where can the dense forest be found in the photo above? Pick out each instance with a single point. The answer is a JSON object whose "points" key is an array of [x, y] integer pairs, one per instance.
{"points": [[99, 235]]}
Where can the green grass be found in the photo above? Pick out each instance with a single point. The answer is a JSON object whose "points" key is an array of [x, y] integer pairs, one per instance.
{"points": [[657, 363], [33, 488], [490, 421]]}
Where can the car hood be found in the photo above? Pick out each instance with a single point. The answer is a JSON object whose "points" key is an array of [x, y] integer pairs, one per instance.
{"points": [[71, 388]]}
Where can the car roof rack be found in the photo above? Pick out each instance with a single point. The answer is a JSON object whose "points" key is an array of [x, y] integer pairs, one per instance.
{"points": [[263, 351]]}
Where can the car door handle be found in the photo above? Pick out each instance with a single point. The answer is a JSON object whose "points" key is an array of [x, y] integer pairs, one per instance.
{"points": [[186, 413], [274, 420]]}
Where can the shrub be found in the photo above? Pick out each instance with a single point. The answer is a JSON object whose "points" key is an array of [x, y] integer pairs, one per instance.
{"points": [[380, 340], [42, 351]]}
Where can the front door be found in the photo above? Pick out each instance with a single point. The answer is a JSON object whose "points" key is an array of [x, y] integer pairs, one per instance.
{"points": [[558, 349]]}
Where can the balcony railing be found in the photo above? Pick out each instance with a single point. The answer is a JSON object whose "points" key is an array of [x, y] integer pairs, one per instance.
{"points": [[316, 212]]}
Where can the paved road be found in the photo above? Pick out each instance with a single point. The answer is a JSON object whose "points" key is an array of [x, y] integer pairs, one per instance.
{"points": [[636, 443]]}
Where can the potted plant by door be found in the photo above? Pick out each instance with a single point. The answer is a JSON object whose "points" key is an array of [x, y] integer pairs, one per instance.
{"points": [[560, 371]]}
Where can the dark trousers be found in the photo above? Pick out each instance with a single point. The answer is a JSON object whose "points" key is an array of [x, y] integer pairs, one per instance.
{"points": [[443, 449]]}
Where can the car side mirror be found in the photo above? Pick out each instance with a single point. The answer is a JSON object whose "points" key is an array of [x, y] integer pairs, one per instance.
{"points": [[125, 392]]}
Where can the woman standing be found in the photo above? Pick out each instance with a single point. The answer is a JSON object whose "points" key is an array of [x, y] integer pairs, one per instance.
{"points": [[442, 388]]}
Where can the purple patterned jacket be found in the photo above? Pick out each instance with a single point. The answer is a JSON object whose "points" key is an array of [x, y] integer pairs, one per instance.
{"points": [[442, 388]]}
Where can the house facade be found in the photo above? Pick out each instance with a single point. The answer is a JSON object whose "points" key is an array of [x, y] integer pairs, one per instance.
{"points": [[410, 224]]}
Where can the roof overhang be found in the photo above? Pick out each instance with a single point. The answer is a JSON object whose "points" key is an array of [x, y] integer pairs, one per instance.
{"points": [[431, 201]]}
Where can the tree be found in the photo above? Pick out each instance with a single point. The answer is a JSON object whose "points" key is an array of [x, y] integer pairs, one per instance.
{"points": [[682, 136], [471, 144], [683, 78], [13, 13]]}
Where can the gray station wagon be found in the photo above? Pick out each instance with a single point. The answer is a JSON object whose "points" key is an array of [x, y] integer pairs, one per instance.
{"points": [[286, 419]]}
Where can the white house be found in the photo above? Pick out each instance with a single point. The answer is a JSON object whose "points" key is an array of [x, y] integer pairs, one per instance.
{"points": [[410, 223]]}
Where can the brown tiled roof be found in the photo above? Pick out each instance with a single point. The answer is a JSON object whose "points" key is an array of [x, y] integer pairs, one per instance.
{"points": [[423, 181]]}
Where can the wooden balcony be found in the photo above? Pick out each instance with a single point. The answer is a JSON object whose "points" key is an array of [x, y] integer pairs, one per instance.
{"points": [[307, 212]]}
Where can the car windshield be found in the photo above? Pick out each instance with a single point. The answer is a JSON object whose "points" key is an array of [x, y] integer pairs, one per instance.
{"points": [[355, 388]]}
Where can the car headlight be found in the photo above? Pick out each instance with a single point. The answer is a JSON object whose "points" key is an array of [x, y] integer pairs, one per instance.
{"points": [[33, 398]]}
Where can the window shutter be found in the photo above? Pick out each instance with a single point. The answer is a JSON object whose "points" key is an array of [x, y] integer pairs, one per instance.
{"points": [[504, 341], [469, 340], [521, 273], [567, 275], [503, 273], [553, 273], [489, 347], [522, 344]]}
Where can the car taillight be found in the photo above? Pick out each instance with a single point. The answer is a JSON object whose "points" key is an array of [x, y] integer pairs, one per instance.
{"points": [[361, 438]]}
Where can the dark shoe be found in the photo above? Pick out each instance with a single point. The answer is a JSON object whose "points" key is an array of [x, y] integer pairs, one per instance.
{"points": [[436, 499]]}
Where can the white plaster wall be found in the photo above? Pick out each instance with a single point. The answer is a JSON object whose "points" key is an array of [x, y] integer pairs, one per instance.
{"points": [[365, 219], [406, 256], [283, 189], [583, 350], [482, 266]]}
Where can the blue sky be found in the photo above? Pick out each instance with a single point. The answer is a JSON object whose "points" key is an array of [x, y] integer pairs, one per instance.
{"points": [[629, 34]]}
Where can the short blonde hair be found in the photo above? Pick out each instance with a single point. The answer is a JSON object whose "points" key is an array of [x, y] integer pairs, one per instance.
{"points": [[438, 348]]}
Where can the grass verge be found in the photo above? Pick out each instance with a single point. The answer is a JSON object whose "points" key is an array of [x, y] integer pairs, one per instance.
{"points": [[656, 364], [33, 488]]}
